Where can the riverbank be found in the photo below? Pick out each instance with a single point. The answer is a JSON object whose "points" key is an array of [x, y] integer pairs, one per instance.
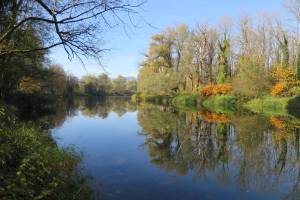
{"points": [[229, 103], [34, 167]]}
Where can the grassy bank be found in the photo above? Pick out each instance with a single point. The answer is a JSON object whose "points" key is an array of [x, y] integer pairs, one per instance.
{"points": [[193, 101], [186, 101], [220, 103], [269, 105], [275, 106]]}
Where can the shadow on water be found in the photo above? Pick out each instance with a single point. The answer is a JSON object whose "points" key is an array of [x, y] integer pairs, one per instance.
{"points": [[294, 107]]}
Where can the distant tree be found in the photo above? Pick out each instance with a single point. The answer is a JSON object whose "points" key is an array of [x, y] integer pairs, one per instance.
{"points": [[119, 85], [103, 84], [131, 86]]}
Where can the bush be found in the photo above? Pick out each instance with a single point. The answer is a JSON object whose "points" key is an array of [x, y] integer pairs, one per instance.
{"points": [[294, 91], [282, 74], [279, 89], [33, 167], [269, 105], [218, 89]]}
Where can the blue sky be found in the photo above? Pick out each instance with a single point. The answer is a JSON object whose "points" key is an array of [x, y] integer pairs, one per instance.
{"points": [[127, 47]]}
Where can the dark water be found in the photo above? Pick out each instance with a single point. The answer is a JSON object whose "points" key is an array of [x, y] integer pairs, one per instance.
{"points": [[155, 152]]}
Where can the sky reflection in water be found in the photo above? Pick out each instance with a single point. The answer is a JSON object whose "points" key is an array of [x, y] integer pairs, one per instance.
{"points": [[155, 152]]}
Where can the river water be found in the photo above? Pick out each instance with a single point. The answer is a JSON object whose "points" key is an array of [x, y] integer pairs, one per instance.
{"points": [[157, 152]]}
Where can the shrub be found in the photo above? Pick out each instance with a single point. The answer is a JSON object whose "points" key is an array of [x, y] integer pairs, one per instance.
{"points": [[279, 89], [283, 74], [212, 90], [294, 91], [269, 105], [33, 167]]}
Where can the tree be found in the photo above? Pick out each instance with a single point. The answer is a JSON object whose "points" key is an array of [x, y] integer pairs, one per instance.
{"points": [[70, 24], [88, 85], [223, 60], [205, 39], [119, 85], [131, 86], [104, 84], [252, 80]]}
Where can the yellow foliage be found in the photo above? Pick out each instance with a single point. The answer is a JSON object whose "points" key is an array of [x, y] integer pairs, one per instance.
{"points": [[28, 85], [217, 89], [281, 74]]}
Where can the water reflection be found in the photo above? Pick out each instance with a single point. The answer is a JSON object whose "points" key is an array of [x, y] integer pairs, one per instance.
{"points": [[179, 155], [254, 153], [53, 114]]}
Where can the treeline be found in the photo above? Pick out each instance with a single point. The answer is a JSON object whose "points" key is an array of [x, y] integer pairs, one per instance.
{"points": [[258, 58], [102, 85]]}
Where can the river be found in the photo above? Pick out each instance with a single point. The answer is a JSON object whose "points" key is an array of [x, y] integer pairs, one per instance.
{"points": [[157, 152]]}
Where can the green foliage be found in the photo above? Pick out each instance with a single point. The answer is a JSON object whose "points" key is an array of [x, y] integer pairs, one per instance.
{"points": [[284, 45], [151, 83], [104, 86], [119, 84], [252, 80], [294, 91], [33, 167], [221, 103], [186, 101], [269, 105], [298, 64], [223, 60]]}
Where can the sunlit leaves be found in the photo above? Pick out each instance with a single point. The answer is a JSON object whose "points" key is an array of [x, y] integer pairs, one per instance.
{"points": [[29, 85]]}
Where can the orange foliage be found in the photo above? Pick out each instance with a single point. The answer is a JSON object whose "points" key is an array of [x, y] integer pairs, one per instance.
{"points": [[214, 117], [279, 89], [277, 122], [218, 89]]}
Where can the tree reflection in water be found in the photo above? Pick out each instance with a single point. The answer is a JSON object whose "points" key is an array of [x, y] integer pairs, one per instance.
{"points": [[248, 151], [254, 152]]}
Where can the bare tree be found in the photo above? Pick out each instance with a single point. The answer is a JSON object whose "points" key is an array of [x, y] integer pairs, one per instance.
{"points": [[73, 24]]}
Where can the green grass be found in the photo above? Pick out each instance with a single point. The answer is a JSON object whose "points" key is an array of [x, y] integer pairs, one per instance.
{"points": [[269, 105], [186, 101], [221, 103]]}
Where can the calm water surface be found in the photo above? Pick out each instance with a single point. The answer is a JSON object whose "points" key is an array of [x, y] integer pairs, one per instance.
{"points": [[155, 152]]}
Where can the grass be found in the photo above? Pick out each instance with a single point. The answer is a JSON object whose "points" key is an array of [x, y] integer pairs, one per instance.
{"points": [[186, 101], [269, 105], [221, 103]]}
